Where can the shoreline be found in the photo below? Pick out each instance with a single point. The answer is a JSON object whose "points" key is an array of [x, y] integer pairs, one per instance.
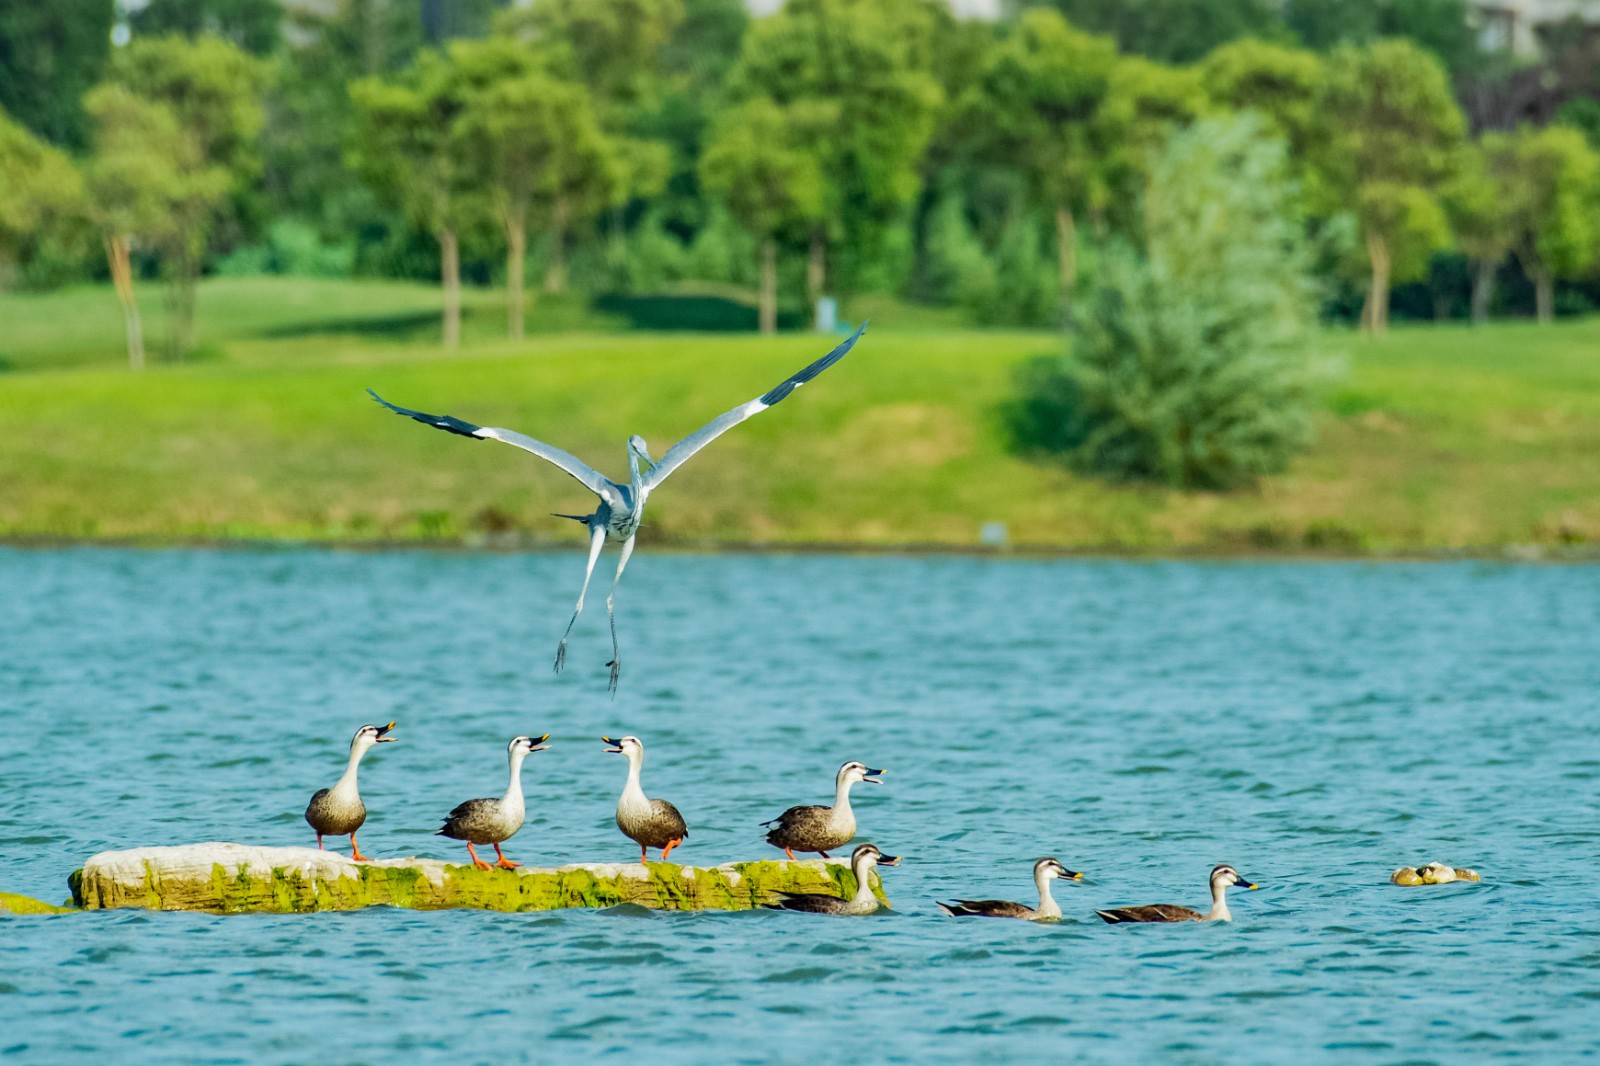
{"points": [[1560, 554]]}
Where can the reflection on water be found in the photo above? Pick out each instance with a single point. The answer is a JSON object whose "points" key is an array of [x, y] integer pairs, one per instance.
{"points": [[1316, 725]]}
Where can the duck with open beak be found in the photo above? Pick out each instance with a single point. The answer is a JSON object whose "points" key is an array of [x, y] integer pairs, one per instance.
{"points": [[338, 811], [649, 823]]}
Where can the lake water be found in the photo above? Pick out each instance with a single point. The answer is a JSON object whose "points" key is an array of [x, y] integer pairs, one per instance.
{"points": [[1315, 724]]}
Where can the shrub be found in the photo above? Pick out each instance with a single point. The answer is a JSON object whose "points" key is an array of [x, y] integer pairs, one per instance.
{"points": [[1194, 364]]}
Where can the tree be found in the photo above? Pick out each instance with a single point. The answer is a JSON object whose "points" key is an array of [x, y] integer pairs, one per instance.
{"points": [[612, 45], [1195, 365], [1398, 131], [1285, 87], [213, 89], [256, 26], [50, 54], [403, 143], [856, 77], [146, 176], [1479, 210], [1172, 31], [1145, 104], [1551, 185], [39, 190], [756, 164], [1039, 107], [529, 137]]}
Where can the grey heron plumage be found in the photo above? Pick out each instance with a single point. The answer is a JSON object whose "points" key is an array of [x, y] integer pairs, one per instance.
{"points": [[621, 505]]}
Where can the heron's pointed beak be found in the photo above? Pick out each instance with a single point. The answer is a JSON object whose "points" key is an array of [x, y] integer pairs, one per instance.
{"points": [[383, 731]]}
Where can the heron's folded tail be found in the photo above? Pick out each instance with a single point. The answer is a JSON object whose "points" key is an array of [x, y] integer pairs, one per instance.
{"points": [[575, 517]]}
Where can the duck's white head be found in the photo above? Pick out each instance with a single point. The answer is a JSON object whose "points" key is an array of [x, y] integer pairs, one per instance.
{"points": [[852, 772], [1225, 876], [867, 856], [1050, 869], [524, 745], [632, 747], [368, 735]]}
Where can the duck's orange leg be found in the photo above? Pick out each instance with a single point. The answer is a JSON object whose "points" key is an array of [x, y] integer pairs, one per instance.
{"points": [[355, 851], [668, 849], [789, 853], [503, 862], [644, 856], [479, 863], [319, 841]]}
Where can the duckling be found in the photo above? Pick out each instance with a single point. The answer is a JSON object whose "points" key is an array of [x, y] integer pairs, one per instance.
{"points": [[1436, 873], [1221, 877], [489, 821], [820, 828], [1044, 871], [862, 860], [650, 823], [338, 811]]}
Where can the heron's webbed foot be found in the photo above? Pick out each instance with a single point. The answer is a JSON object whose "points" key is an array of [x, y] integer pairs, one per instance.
{"points": [[561, 655], [616, 672]]}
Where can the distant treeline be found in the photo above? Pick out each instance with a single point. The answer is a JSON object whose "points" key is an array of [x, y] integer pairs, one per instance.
{"points": [[837, 146]]}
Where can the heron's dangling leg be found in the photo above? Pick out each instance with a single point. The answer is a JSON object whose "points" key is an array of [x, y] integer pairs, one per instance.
{"points": [[611, 613], [597, 540]]}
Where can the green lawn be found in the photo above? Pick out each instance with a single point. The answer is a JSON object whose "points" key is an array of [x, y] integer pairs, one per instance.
{"points": [[1439, 437]]}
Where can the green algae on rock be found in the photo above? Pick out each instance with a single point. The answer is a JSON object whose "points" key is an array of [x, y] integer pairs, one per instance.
{"points": [[224, 878], [11, 903]]}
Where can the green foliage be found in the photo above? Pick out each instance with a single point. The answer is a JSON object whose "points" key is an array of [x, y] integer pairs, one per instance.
{"points": [[40, 194], [1172, 31], [612, 45], [1285, 87], [50, 54], [1550, 187], [1194, 366], [256, 26], [759, 165]]}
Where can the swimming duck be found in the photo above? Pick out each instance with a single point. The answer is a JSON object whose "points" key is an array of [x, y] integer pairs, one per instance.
{"points": [[818, 828], [489, 821], [650, 823], [862, 860], [1221, 877], [338, 811], [1044, 871]]}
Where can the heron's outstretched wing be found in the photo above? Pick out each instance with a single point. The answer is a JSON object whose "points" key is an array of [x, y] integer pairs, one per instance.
{"points": [[681, 451], [592, 479]]}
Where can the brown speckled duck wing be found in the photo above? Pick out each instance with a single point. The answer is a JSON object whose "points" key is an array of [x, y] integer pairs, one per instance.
{"points": [[473, 820], [986, 908], [805, 828], [1154, 912], [331, 818], [810, 902]]}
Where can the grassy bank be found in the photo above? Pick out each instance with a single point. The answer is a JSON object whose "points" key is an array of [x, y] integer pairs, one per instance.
{"points": [[1439, 438]]}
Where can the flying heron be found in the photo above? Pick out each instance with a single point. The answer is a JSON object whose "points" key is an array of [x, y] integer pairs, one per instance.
{"points": [[622, 503]]}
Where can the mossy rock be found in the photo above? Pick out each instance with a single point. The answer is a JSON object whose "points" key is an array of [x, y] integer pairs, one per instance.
{"points": [[235, 879], [11, 903]]}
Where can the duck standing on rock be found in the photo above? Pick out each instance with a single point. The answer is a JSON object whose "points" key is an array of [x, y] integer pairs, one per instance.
{"points": [[650, 823], [1221, 878], [1044, 871], [818, 829], [490, 821], [338, 811], [862, 860]]}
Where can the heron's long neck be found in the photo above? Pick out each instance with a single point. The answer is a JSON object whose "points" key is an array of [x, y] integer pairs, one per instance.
{"points": [[633, 792], [1048, 908], [348, 781], [513, 796], [1219, 903], [863, 871]]}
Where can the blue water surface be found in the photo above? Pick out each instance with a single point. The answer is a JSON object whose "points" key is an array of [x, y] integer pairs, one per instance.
{"points": [[1315, 724]]}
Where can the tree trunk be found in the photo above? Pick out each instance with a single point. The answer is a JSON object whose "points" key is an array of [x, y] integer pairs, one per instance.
{"points": [[555, 276], [516, 255], [1544, 292], [1375, 316], [181, 286], [450, 268], [769, 287], [1067, 254], [816, 272], [1483, 274], [122, 280]]}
